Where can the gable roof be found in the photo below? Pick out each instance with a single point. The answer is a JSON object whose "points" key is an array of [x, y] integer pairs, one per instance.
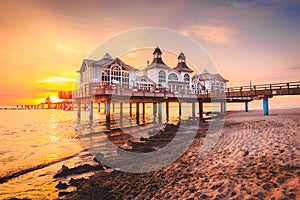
{"points": [[103, 62], [139, 78], [120, 62], [208, 76], [182, 67]]}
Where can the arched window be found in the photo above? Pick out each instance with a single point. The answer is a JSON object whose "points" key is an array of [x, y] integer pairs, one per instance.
{"points": [[173, 76], [161, 76], [186, 78], [115, 72]]}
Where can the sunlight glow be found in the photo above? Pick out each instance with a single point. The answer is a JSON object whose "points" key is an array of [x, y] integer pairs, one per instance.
{"points": [[55, 99]]}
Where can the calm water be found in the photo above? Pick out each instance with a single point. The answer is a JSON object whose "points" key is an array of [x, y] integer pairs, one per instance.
{"points": [[30, 138]]}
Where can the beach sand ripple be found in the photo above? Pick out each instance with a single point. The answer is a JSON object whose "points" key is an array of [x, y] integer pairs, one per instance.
{"points": [[270, 168]]}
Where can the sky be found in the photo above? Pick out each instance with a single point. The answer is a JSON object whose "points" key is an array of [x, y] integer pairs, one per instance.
{"points": [[44, 41]]}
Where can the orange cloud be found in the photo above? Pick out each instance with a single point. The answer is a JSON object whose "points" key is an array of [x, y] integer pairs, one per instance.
{"points": [[214, 34]]}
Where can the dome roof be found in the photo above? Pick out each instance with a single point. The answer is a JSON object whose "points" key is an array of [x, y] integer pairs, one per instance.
{"points": [[157, 51], [181, 56]]}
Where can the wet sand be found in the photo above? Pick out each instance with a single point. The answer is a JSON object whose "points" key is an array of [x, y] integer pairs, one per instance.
{"points": [[256, 157]]}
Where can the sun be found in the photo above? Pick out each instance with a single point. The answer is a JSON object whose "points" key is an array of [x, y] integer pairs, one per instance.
{"points": [[55, 99]]}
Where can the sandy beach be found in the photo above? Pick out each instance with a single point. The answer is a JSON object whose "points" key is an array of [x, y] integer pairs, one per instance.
{"points": [[256, 157]]}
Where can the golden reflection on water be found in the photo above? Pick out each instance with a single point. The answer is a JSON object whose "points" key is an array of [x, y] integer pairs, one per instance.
{"points": [[54, 138], [53, 156]]}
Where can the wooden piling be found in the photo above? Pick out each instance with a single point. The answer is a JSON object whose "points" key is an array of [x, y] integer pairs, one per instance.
{"points": [[137, 113], [179, 105], [154, 111], [107, 113], [200, 109], [78, 110], [246, 106], [193, 110], [91, 109], [266, 105], [160, 112], [167, 110], [121, 114]]}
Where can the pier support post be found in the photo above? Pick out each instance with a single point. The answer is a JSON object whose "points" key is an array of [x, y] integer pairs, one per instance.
{"points": [[85, 107], [78, 110], [246, 107], [137, 109], [223, 107], [130, 109], [167, 110], [107, 112], [144, 110], [90, 108], [98, 107], [160, 112], [121, 114], [154, 112], [200, 109], [113, 107], [266, 105], [193, 110], [179, 104]]}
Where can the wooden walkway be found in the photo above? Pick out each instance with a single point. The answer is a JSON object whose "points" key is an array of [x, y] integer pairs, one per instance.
{"points": [[264, 90], [233, 94]]}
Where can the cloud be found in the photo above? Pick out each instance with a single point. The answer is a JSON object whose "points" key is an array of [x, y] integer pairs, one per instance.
{"points": [[56, 79], [214, 34], [294, 68]]}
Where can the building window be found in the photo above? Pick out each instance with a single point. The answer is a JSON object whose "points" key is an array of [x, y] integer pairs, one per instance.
{"points": [[172, 77], [105, 75], [143, 84], [186, 78], [125, 78], [115, 73], [161, 76]]}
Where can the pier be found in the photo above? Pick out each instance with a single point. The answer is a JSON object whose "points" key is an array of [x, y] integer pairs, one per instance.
{"points": [[261, 92], [108, 97]]}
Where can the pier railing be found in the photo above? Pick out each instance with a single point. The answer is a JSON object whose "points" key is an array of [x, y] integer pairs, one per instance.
{"points": [[249, 92], [161, 93], [290, 88]]}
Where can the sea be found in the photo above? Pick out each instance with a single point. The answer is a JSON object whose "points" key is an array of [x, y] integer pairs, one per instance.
{"points": [[34, 144]]}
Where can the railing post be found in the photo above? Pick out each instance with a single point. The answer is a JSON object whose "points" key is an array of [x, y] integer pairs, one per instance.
{"points": [[288, 85]]}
